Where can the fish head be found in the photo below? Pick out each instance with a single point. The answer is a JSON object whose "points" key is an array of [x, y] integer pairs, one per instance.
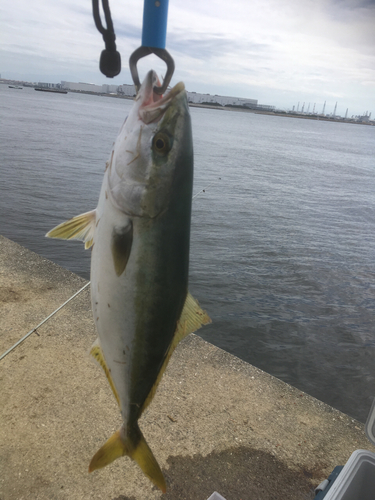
{"points": [[153, 150]]}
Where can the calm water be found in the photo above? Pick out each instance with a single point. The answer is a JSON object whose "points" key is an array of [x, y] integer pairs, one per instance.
{"points": [[282, 247]]}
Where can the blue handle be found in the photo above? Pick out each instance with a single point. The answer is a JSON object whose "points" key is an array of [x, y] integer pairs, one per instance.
{"points": [[155, 14]]}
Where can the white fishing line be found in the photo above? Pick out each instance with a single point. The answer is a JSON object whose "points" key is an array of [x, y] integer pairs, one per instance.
{"points": [[204, 189], [42, 323], [75, 295]]}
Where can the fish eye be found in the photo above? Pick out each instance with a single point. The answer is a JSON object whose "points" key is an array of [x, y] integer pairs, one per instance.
{"points": [[161, 143]]}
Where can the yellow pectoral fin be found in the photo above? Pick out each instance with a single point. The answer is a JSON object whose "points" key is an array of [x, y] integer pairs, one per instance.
{"points": [[97, 353], [81, 228], [133, 445], [192, 318]]}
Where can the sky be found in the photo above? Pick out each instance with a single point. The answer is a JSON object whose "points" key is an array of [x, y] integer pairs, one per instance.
{"points": [[281, 52]]}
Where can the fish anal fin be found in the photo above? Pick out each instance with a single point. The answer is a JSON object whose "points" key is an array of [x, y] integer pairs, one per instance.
{"points": [[121, 245], [81, 227], [192, 318], [132, 444], [97, 353]]}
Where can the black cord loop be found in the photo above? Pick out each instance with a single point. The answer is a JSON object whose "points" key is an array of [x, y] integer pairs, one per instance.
{"points": [[110, 59]]}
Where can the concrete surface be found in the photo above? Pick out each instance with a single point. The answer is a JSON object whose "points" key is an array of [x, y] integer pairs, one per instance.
{"points": [[216, 423]]}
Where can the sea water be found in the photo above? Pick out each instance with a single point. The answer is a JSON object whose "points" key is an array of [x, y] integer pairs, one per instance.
{"points": [[282, 240]]}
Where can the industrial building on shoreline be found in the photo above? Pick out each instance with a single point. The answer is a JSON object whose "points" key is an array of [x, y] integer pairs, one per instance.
{"points": [[129, 91], [198, 99]]}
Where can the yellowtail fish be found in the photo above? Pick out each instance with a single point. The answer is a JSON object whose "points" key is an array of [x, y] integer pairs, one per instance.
{"points": [[139, 234]]}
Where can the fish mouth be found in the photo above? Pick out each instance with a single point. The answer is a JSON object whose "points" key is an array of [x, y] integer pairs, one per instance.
{"points": [[153, 105]]}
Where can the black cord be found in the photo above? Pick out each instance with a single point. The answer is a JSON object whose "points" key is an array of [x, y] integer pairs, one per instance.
{"points": [[110, 59]]}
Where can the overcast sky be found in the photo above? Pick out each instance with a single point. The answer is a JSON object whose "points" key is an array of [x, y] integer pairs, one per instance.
{"points": [[280, 52]]}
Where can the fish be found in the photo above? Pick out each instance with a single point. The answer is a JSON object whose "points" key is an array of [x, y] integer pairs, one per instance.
{"points": [[139, 235]]}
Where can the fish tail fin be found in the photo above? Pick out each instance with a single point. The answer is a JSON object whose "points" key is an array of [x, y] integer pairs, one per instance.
{"points": [[113, 448], [133, 444], [142, 454]]}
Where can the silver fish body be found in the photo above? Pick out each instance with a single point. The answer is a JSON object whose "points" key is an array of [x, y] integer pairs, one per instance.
{"points": [[140, 256]]}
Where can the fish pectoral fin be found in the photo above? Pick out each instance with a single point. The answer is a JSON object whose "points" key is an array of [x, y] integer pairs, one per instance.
{"points": [[81, 227], [121, 245], [97, 353], [192, 318], [134, 445]]}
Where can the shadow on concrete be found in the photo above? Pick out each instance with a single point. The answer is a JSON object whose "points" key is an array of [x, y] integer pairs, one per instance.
{"points": [[237, 474], [122, 497]]}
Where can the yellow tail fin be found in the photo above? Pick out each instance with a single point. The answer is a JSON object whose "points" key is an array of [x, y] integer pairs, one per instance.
{"points": [[134, 445]]}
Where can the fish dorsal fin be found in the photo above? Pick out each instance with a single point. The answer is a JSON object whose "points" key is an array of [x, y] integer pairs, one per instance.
{"points": [[97, 353], [192, 318], [81, 227]]}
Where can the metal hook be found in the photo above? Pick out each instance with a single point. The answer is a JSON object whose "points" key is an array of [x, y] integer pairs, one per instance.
{"points": [[162, 54]]}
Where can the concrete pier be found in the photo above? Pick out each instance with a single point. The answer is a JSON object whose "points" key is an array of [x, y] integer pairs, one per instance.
{"points": [[216, 423]]}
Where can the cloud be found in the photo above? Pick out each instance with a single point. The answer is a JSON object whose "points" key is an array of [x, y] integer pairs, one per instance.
{"points": [[128, 31], [275, 49], [208, 46]]}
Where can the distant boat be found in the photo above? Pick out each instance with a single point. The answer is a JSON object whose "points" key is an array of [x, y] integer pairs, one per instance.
{"points": [[15, 87], [54, 91]]}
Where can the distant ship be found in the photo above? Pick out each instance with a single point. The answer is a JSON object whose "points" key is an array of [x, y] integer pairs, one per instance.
{"points": [[15, 87], [54, 91]]}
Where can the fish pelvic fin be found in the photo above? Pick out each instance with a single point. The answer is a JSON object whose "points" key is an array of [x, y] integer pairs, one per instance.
{"points": [[81, 227], [130, 442], [192, 318], [97, 353]]}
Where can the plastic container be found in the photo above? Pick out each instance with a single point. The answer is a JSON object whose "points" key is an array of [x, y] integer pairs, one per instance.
{"points": [[356, 481], [216, 496], [323, 488]]}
